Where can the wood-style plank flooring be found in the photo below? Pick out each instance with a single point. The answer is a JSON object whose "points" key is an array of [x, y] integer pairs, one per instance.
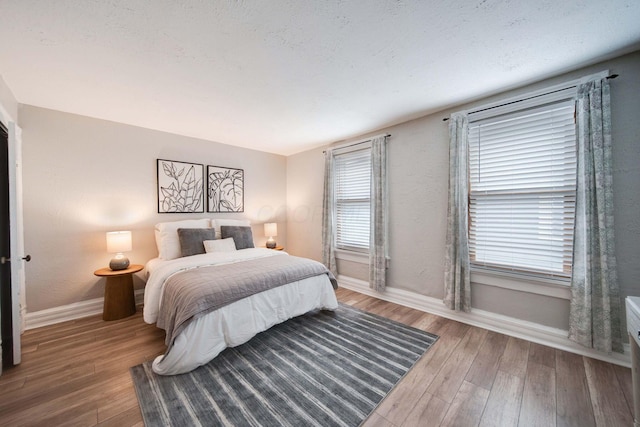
{"points": [[77, 373]]}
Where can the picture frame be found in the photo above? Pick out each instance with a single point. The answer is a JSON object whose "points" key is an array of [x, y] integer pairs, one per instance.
{"points": [[225, 189], [180, 187]]}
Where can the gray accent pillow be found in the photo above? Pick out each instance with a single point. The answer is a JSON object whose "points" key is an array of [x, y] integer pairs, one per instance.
{"points": [[241, 235], [191, 239]]}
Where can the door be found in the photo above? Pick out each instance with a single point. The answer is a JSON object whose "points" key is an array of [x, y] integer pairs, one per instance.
{"points": [[6, 296]]}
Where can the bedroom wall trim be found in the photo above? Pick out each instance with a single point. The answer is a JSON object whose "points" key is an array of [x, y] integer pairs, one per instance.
{"points": [[552, 337], [73, 311]]}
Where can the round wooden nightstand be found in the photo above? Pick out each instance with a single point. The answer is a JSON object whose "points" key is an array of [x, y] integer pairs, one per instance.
{"points": [[119, 301], [277, 248]]}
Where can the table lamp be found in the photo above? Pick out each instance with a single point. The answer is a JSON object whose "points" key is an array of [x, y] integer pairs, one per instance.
{"points": [[271, 231], [117, 243]]}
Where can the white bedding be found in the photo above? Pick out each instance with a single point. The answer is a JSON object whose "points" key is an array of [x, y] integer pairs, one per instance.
{"points": [[233, 324]]}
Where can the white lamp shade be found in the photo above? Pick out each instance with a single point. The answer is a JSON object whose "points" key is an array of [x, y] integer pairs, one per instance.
{"points": [[270, 229], [118, 241]]}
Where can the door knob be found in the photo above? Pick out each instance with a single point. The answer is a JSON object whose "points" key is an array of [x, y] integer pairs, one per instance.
{"points": [[4, 259]]}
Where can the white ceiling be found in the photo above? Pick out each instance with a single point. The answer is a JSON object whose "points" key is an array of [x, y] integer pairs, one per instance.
{"points": [[284, 76]]}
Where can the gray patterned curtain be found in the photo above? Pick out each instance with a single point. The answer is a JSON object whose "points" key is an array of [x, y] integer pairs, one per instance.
{"points": [[328, 247], [378, 245], [457, 288], [594, 319]]}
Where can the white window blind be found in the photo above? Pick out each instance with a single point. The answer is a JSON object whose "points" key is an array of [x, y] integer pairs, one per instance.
{"points": [[353, 199], [522, 190]]}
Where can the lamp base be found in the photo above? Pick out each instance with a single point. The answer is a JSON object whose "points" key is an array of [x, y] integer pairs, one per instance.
{"points": [[271, 243], [119, 263]]}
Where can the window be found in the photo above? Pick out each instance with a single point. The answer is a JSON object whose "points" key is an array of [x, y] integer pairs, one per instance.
{"points": [[522, 184], [353, 199]]}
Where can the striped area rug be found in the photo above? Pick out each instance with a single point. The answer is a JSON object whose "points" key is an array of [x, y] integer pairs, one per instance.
{"points": [[320, 369]]}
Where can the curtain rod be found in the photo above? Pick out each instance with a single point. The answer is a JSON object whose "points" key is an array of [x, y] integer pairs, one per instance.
{"points": [[612, 76], [359, 142]]}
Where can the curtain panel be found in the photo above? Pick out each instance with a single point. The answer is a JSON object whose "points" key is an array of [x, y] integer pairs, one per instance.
{"points": [[379, 206], [595, 310], [328, 246], [457, 274]]}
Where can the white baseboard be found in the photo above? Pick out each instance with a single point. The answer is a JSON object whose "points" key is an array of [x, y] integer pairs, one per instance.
{"points": [[68, 312], [534, 332]]}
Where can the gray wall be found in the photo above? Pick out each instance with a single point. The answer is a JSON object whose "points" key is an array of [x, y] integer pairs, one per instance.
{"points": [[84, 177], [418, 179], [8, 101], [304, 203]]}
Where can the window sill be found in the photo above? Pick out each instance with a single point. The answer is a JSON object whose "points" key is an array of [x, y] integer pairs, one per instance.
{"points": [[534, 285], [359, 257]]}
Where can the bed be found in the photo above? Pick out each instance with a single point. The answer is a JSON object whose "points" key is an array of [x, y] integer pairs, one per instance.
{"points": [[198, 331]]}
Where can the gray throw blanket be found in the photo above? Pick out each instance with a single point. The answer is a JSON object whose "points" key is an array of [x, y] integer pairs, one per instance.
{"points": [[193, 293]]}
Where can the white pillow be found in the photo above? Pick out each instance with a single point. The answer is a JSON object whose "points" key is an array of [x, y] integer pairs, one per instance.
{"points": [[217, 223], [167, 236], [220, 245]]}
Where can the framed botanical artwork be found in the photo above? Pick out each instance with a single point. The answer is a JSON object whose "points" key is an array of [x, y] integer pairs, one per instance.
{"points": [[180, 187], [225, 189]]}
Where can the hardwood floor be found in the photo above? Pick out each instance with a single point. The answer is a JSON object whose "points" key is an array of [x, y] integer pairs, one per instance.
{"points": [[77, 373]]}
